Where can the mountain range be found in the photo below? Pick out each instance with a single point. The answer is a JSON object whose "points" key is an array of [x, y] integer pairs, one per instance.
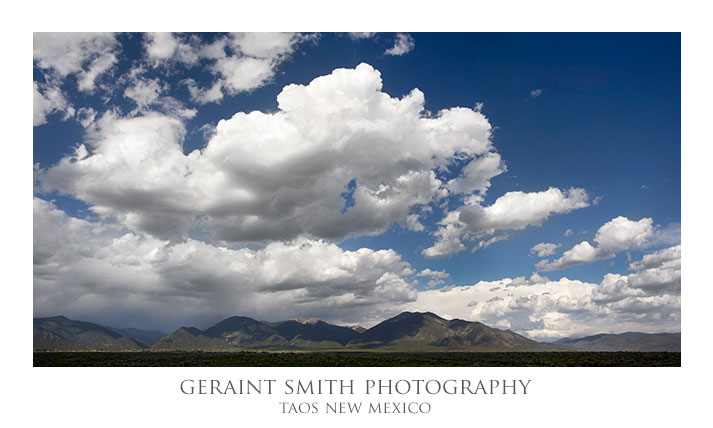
{"points": [[60, 333], [642, 342], [247, 333], [408, 331]]}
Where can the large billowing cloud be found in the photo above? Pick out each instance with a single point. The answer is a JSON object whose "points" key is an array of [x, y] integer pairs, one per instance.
{"points": [[512, 211], [616, 235], [275, 176], [97, 271], [106, 273]]}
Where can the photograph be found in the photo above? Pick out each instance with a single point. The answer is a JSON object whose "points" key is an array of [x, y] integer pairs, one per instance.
{"points": [[356, 199]]}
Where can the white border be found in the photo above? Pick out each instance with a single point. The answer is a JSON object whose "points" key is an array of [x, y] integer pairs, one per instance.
{"points": [[558, 396]]}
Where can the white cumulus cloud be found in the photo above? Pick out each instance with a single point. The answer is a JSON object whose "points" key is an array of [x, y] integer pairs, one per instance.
{"points": [[144, 92], [87, 55], [616, 235], [512, 211], [647, 300], [166, 47], [275, 176], [240, 62], [544, 249]]}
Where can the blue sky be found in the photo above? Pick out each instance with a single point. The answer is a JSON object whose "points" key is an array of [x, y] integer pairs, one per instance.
{"points": [[594, 117]]}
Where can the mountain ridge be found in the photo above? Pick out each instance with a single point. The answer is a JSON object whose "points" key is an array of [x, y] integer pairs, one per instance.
{"points": [[61, 333], [628, 341], [147, 337], [407, 331]]}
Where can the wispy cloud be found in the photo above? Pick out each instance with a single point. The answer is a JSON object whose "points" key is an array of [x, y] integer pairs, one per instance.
{"points": [[403, 44]]}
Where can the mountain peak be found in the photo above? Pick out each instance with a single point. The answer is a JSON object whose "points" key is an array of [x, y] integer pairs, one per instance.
{"points": [[61, 333], [426, 330], [407, 314], [54, 318], [309, 321]]}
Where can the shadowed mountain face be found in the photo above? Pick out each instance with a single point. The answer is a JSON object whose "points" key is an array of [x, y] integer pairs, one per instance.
{"points": [[60, 333], [247, 333], [315, 331], [189, 339], [233, 332], [417, 330], [642, 342], [147, 337], [244, 331]]}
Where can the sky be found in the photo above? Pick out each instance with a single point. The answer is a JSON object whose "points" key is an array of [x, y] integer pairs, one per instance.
{"points": [[530, 181]]}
